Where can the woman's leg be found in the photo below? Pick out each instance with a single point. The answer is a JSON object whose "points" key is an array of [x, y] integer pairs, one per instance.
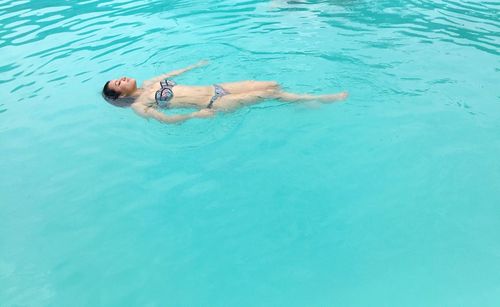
{"points": [[243, 87], [292, 97], [272, 90], [233, 101]]}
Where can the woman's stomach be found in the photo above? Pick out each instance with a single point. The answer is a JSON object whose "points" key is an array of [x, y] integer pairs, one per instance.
{"points": [[185, 96]]}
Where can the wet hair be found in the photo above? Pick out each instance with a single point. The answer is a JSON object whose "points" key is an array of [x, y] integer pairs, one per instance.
{"points": [[109, 93], [112, 97]]}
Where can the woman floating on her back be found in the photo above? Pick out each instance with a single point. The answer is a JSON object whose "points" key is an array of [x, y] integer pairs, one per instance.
{"points": [[161, 92]]}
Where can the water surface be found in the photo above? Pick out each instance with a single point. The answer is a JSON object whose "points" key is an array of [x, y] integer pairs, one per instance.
{"points": [[388, 199]]}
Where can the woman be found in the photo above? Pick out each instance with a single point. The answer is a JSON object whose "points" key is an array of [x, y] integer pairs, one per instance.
{"points": [[161, 92]]}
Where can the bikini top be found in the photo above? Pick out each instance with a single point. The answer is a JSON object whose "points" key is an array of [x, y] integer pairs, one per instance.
{"points": [[165, 93]]}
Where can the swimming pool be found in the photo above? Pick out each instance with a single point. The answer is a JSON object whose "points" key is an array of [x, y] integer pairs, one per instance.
{"points": [[388, 199]]}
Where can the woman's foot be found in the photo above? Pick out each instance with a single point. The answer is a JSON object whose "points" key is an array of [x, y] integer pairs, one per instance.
{"points": [[333, 97]]}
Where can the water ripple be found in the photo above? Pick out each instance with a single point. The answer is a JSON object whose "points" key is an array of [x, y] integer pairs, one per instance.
{"points": [[40, 39]]}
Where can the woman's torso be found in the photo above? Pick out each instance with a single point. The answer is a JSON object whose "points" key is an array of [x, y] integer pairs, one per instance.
{"points": [[183, 96]]}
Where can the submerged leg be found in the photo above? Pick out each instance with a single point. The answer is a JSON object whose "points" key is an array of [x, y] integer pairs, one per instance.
{"points": [[292, 97]]}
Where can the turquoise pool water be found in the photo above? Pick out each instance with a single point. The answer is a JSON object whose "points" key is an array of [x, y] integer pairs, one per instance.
{"points": [[391, 198]]}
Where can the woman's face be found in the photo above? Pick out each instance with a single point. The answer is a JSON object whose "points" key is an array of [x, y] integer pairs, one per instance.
{"points": [[125, 86]]}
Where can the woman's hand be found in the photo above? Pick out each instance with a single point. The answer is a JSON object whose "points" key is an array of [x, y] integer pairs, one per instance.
{"points": [[204, 113], [201, 63]]}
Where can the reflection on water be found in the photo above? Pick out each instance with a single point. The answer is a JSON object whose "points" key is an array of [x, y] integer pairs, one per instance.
{"points": [[468, 23]]}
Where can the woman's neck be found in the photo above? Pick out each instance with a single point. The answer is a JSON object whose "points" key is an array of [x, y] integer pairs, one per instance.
{"points": [[138, 91]]}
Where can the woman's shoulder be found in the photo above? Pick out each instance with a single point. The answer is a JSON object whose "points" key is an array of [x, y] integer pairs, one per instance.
{"points": [[149, 83]]}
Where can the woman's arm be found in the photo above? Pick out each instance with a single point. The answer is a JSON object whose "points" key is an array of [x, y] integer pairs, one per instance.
{"points": [[149, 112], [176, 72]]}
